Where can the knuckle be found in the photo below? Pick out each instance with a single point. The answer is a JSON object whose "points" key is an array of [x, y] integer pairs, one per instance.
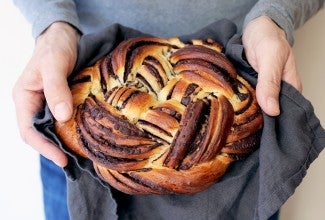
{"points": [[272, 84]]}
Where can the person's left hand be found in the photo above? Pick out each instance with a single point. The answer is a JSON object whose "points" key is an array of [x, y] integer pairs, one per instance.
{"points": [[269, 53], [45, 78]]}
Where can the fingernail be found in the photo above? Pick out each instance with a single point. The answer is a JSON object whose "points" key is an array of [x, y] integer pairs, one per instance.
{"points": [[62, 112], [273, 105]]}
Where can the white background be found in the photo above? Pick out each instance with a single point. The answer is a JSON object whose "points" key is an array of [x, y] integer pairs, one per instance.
{"points": [[20, 188]]}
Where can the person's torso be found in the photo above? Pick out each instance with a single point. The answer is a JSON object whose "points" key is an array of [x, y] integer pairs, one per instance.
{"points": [[166, 18]]}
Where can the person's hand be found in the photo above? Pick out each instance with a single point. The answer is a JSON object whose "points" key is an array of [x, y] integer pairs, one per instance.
{"points": [[269, 53], [45, 78]]}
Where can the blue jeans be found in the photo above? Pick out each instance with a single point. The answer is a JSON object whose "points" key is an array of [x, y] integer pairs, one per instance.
{"points": [[54, 190]]}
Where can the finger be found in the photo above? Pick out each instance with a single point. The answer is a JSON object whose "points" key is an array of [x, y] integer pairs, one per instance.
{"points": [[44, 147], [27, 103], [57, 92], [268, 85]]}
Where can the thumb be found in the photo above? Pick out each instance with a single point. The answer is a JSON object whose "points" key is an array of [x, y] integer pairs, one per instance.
{"points": [[58, 94], [267, 94], [268, 84]]}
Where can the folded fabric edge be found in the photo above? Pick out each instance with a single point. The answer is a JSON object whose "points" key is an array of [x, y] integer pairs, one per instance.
{"points": [[282, 193]]}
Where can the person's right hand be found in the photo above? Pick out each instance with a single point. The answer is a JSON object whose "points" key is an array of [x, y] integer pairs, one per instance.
{"points": [[45, 78], [269, 53]]}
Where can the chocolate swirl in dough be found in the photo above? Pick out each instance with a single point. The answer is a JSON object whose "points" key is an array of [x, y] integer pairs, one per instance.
{"points": [[160, 116]]}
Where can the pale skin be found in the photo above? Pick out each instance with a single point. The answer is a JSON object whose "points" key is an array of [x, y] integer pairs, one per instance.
{"points": [[55, 54]]}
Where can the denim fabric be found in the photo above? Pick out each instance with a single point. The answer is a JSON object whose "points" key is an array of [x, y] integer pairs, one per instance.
{"points": [[54, 191], [275, 216]]}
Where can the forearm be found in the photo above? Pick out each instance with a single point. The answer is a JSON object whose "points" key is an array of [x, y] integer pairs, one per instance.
{"points": [[42, 13], [289, 15]]}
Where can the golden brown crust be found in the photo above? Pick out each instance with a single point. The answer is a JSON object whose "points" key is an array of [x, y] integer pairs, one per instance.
{"points": [[160, 116]]}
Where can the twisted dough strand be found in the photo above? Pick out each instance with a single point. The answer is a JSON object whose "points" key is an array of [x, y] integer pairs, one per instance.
{"points": [[160, 116]]}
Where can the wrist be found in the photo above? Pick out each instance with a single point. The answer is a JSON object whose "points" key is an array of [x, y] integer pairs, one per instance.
{"points": [[58, 42], [262, 28], [277, 12], [267, 21], [61, 28]]}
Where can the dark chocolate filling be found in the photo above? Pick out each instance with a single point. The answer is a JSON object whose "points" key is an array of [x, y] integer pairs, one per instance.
{"points": [[83, 79], [190, 89], [109, 93], [133, 50], [185, 135], [146, 83], [132, 95], [246, 144], [243, 97], [156, 127], [218, 73], [153, 71], [121, 123], [249, 118], [141, 181], [170, 94], [217, 59], [118, 94], [170, 112]]}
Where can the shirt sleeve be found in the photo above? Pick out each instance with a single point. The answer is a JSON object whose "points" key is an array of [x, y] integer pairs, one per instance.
{"points": [[289, 15], [42, 13]]}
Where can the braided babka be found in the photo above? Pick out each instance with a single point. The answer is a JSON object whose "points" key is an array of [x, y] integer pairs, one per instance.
{"points": [[158, 116]]}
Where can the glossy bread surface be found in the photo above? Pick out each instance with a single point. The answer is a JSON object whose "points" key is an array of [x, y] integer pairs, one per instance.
{"points": [[160, 116]]}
